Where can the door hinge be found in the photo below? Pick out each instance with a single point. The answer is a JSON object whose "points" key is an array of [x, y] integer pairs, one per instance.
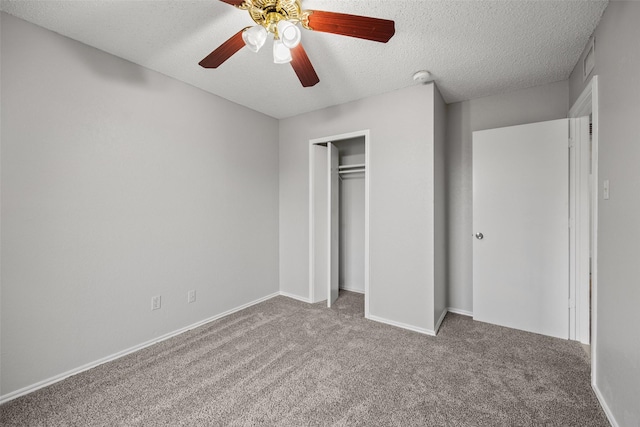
{"points": [[571, 304]]}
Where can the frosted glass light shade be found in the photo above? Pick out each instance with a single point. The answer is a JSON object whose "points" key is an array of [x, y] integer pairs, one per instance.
{"points": [[289, 34], [254, 37], [281, 53]]}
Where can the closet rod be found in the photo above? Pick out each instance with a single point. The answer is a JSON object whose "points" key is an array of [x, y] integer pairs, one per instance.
{"points": [[351, 166]]}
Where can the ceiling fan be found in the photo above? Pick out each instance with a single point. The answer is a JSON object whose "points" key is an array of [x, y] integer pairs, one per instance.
{"points": [[280, 18]]}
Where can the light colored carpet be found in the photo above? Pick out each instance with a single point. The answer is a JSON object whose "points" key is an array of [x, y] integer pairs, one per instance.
{"points": [[284, 362]]}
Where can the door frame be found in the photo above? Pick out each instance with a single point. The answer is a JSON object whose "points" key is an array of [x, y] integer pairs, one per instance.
{"points": [[367, 179], [579, 236], [587, 103]]}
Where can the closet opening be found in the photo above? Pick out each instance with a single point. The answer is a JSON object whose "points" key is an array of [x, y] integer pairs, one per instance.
{"points": [[339, 174]]}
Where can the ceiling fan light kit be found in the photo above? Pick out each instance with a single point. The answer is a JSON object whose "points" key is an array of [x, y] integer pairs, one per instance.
{"points": [[289, 34], [281, 53], [280, 18], [254, 37]]}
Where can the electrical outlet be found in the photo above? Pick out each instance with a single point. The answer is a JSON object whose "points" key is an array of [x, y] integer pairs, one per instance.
{"points": [[156, 302], [191, 296]]}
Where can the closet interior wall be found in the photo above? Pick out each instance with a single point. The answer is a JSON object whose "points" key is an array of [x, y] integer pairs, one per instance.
{"points": [[352, 213]]}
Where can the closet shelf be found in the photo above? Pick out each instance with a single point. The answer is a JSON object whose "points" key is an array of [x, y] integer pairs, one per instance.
{"points": [[351, 171]]}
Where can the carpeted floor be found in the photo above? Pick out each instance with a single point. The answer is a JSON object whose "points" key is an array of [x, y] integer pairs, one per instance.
{"points": [[287, 363]]}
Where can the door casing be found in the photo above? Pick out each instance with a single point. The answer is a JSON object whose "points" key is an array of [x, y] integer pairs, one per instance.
{"points": [[587, 104], [312, 187]]}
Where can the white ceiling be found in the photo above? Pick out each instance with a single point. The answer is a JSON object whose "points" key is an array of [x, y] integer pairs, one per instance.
{"points": [[472, 48]]}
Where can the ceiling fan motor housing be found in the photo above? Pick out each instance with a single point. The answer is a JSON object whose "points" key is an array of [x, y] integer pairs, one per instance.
{"points": [[280, 18], [269, 12]]}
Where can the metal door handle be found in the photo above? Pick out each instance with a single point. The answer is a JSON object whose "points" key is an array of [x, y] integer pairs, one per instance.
{"points": [[479, 236]]}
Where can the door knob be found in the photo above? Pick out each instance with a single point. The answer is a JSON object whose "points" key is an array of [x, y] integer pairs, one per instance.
{"points": [[479, 236]]}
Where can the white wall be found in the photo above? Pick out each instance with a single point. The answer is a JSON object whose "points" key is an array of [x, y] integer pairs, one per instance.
{"points": [[548, 102], [401, 205], [118, 184], [618, 341]]}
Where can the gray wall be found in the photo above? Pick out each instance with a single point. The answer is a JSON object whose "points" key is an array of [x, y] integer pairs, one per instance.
{"points": [[401, 205], [118, 184], [440, 206], [352, 216], [352, 233], [618, 317], [531, 105]]}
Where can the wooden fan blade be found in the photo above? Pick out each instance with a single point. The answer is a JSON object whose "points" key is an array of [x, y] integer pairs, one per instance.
{"points": [[233, 2], [363, 27], [302, 66], [224, 51]]}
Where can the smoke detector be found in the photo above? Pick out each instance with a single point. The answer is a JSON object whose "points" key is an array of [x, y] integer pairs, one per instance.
{"points": [[422, 76]]}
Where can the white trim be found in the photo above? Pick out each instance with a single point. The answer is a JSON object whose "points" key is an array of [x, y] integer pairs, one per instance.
{"points": [[604, 406], [402, 325], [330, 218], [347, 288], [312, 251], [583, 105], [439, 322], [367, 178], [296, 297], [594, 220], [339, 137], [587, 103], [579, 244], [587, 68], [574, 173], [56, 378], [367, 201], [460, 311]]}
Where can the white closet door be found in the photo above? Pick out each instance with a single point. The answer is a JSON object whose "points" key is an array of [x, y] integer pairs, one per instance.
{"points": [[334, 221], [321, 261], [520, 222]]}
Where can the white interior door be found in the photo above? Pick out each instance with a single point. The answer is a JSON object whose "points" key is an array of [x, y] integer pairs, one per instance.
{"points": [[334, 224], [520, 221]]}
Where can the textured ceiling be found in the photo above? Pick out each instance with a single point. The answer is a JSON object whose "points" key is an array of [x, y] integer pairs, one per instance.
{"points": [[472, 48]]}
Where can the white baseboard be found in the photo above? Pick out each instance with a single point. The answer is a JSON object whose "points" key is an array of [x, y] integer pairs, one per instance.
{"points": [[604, 405], [296, 297], [459, 311], [49, 381], [347, 288], [439, 322], [401, 325]]}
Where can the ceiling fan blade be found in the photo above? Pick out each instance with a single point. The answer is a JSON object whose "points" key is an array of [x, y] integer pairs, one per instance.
{"points": [[363, 27], [302, 66], [233, 2], [224, 51]]}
